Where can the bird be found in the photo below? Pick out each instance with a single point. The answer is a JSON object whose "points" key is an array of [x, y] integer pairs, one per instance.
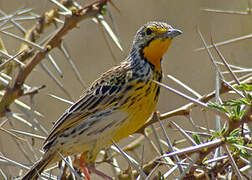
{"points": [[115, 105]]}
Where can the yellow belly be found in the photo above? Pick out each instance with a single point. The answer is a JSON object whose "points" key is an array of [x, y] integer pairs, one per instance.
{"points": [[139, 111]]}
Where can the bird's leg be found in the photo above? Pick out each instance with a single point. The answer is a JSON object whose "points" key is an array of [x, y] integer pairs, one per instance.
{"points": [[83, 166], [87, 160], [87, 167]]}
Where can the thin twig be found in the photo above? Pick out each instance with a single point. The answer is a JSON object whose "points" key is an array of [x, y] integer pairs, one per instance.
{"points": [[235, 167]]}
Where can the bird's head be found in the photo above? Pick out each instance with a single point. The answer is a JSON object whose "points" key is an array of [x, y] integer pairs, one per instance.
{"points": [[152, 41]]}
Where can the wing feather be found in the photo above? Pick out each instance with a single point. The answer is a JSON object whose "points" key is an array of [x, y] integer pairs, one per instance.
{"points": [[95, 99]]}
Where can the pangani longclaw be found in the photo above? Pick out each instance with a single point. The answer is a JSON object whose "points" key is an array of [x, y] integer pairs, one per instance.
{"points": [[115, 105]]}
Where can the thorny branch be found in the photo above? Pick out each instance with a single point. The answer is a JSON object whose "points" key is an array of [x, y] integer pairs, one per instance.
{"points": [[15, 90]]}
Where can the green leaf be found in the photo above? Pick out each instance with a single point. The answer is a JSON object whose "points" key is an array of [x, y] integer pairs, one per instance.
{"points": [[222, 131], [249, 97], [235, 132], [244, 87], [239, 149], [103, 10], [196, 138], [216, 134], [235, 140], [244, 153], [245, 101], [242, 113], [204, 161], [218, 106], [238, 110], [234, 114], [237, 113], [237, 102]]}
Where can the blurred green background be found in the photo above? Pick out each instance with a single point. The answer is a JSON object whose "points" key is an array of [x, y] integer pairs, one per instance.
{"points": [[91, 55]]}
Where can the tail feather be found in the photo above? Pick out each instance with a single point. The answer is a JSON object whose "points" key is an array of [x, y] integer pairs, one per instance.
{"points": [[36, 169]]}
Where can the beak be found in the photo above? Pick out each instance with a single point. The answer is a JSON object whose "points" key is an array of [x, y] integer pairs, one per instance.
{"points": [[171, 33]]}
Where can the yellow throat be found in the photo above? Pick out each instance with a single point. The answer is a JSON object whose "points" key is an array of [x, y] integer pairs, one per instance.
{"points": [[155, 51]]}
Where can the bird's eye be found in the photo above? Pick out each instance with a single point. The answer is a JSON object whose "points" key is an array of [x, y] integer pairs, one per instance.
{"points": [[148, 31]]}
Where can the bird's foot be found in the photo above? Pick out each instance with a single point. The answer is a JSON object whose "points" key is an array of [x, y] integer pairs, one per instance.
{"points": [[86, 168]]}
